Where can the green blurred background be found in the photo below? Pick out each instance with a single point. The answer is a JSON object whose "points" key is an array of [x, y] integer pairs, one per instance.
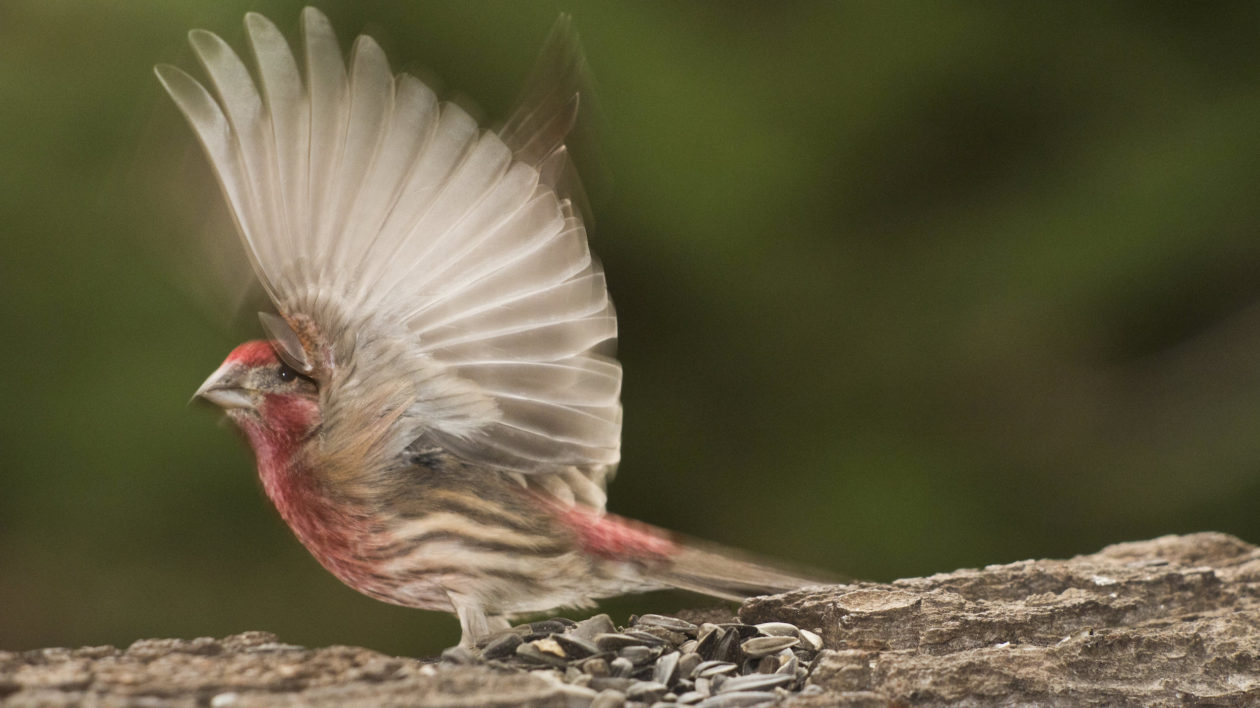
{"points": [[904, 287]]}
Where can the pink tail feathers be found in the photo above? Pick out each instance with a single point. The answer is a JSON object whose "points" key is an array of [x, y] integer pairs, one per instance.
{"points": [[727, 573], [665, 560]]}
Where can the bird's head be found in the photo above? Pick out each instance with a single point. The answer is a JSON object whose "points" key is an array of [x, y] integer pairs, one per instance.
{"points": [[274, 404]]}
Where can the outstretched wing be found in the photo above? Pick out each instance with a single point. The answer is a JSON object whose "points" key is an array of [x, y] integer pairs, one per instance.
{"points": [[427, 274]]}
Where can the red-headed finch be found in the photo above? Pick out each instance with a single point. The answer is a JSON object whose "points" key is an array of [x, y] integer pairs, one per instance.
{"points": [[430, 414]]}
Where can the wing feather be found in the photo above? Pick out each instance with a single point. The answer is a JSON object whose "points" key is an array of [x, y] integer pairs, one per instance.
{"points": [[326, 88], [289, 111], [219, 141], [371, 99], [528, 302], [450, 139], [567, 301], [587, 381], [410, 124], [428, 267], [482, 168]]}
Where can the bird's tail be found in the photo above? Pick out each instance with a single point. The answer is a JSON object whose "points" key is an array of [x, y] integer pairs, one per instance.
{"points": [[662, 559], [710, 569]]}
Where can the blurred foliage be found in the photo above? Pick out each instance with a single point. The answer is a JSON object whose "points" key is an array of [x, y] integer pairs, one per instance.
{"points": [[904, 287]]}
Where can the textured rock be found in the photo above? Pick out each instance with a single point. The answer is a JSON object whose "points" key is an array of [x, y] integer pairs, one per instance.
{"points": [[254, 669], [1172, 621]]}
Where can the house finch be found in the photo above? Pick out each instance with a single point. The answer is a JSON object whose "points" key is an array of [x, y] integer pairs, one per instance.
{"points": [[430, 414]]}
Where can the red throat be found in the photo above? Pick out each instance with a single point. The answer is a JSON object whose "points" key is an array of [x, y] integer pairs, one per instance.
{"points": [[322, 525], [277, 431], [283, 422]]}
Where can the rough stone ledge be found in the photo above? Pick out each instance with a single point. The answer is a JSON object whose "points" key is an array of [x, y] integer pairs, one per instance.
{"points": [[1171, 621]]}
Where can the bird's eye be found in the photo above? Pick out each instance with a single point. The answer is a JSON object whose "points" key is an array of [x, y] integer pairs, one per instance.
{"points": [[286, 373]]}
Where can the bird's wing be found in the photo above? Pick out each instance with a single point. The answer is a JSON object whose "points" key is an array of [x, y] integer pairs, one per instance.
{"points": [[427, 274]]}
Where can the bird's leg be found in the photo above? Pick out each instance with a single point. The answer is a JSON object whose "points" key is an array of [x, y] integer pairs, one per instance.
{"points": [[497, 623], [474, 623]]}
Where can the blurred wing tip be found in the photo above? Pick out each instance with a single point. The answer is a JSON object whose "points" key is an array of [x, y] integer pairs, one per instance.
{"points": [[367, 43], [181, 86], [314, 18], [166, 72], [207, 45], [563, 27], [258, 26]]}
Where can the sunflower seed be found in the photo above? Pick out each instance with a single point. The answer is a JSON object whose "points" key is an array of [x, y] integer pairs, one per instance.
{"points": [[667, 668], [521, 629], [621, 667], [727, 648], [575, 646], [646, 637], [705, 630], [745, 630], [704, 687], [664, 635], [596, 666], [502, 646], [762, 646], [548, 645], [811, 641], [616, 642], [755, 682], [637, 655], [740, 699], [777, 629], [532, 653], [688, 663], [709, 669], [590, 627], [646, 691], [672, 624], [540, 629], [710, 635]]}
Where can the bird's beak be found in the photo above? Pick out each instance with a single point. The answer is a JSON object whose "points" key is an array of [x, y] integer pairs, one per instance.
{"points": [[224, 388]]}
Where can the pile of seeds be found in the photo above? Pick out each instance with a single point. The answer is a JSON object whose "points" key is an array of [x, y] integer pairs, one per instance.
{"points": [[657, 660]]}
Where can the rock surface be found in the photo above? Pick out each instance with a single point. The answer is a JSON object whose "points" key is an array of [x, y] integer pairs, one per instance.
{"points": [[254, 669], [1172, 621]]}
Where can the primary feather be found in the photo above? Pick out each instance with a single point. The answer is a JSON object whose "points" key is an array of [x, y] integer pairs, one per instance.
{"points": [[428, 266]]}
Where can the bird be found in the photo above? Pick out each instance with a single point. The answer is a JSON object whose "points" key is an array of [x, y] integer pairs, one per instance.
{"points": [[434, 410]]}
